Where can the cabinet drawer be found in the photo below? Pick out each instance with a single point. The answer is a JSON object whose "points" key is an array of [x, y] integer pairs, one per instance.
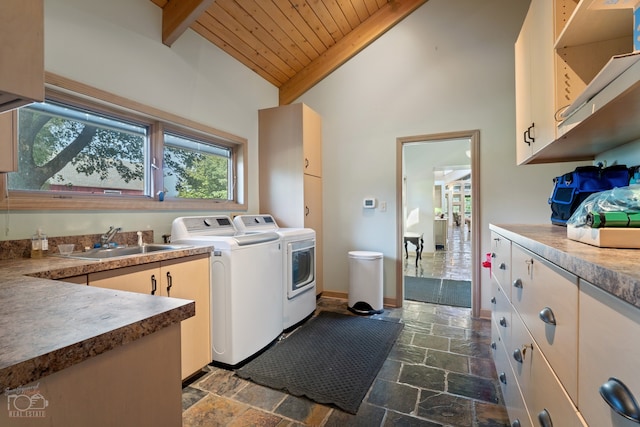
{"points": [[541, 290], [500, 261], [511, 394], [501, 312], [609, 347], [540, 387]]}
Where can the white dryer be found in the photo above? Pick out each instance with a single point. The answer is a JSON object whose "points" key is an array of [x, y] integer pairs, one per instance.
{"points": [[298, 264], [246, 285]]}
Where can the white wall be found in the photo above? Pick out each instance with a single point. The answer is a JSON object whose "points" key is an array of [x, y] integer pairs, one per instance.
{"points": [[447, 67], [116, 46]]}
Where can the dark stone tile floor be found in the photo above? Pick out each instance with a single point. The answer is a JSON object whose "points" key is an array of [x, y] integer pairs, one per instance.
{"points": [[438, 374]]}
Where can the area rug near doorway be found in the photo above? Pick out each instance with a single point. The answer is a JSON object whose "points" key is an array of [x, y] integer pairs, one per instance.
{"points": [[456, 293], [332, 359]]}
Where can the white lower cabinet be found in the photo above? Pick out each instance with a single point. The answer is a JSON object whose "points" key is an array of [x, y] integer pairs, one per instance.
{"points": [[513, 400], [609, 355], [546, 298]]}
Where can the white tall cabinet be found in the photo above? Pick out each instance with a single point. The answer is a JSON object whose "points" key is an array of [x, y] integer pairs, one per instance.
{"points": [[290, 153]]}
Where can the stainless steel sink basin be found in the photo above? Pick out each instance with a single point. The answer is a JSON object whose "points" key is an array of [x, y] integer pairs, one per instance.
{"points": [[123, 251]]}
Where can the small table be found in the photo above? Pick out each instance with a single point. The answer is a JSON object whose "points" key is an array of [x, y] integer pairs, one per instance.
{"points": [[417, 240]]}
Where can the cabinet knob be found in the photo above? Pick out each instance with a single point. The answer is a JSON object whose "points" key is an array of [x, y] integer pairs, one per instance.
{"points": [[620, 399], [517, 355], [545, 419], [493, 255], [502, 266], [493, 300], [503, 322], [494, 345], [517, 283], [547, 316], [503, 378], [516, 423]]}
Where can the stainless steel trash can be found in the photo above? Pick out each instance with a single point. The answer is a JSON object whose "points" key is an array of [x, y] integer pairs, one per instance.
{"points": [[365, 282]]}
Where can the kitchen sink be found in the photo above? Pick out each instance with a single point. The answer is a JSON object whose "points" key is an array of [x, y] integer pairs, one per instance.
{"points": [[123, 251]]}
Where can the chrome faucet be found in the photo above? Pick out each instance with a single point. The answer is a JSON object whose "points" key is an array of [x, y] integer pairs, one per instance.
{"points": [[106, 238]]}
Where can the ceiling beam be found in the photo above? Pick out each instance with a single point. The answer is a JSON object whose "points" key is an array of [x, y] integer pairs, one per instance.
{"points": [[367, 32], [178, 15]]}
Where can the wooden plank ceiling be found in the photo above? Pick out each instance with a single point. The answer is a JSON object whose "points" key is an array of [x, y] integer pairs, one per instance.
{"points": [[291, 43]]}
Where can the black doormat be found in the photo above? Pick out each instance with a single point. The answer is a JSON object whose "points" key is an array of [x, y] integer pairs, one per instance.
{"points": [[332, 359], [438, 291]]}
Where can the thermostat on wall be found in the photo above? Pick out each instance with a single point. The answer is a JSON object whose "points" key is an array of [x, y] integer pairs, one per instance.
{"points": [[369, 202]]}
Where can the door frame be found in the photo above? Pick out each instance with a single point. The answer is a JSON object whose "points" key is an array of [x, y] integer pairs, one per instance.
{"points": [[474, 141]]}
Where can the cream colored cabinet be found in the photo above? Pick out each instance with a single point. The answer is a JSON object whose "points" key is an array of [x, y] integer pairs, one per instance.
{"points": [[608, 356], [190, 280], [8, 142], [534, 74], [290, 160], [535, 336], [501, 262], [21, 52], [546, 298], [143, 279], [78, 280], [186, 278]]}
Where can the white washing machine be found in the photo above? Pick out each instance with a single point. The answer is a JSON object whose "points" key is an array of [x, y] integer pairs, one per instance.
{"points": [[298, 264], [246, 285]]}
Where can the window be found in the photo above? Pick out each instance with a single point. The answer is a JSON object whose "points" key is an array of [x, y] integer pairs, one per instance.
{"points": [[101, 151], [196, 169], [68, 149]]}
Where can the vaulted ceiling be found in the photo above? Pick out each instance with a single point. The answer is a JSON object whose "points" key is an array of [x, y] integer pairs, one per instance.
{"points": [[293, 44]]}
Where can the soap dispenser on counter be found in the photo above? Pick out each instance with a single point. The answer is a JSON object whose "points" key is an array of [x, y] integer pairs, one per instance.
{"points": [[39, 244]]}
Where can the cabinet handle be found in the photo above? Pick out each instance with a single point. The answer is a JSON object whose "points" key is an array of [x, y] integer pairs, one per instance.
{"points": [[169, 283], [306, 163], [517, 283], [528, 135], [502, 266], [544, 418], [503, 322], [546, 315], [154, 284], [306, 211], [516, 423], [503, 378], [517, 355], [620, 398], [493, 300]]}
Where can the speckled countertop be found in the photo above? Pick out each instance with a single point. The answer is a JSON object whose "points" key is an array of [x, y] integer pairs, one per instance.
{"points": [[48, 325], [617, 271]]}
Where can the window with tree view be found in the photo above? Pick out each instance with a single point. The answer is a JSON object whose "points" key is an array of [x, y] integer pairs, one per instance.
{"points": [[196, 169], [67, 149]]}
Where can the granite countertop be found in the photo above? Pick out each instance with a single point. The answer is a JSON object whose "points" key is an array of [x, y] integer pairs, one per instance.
{"points": [[48, 325], [613, 270]]}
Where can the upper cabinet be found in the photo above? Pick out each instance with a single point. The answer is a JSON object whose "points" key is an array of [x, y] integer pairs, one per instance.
{"points": [[535, 127], [21, 53], [594, 78]]}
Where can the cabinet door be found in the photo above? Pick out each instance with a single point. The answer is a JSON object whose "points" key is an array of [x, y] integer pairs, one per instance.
{"points": [[190, 280], [80, 280], [535, 73], [139, 278], [312, 141], [609, 347], [523, 89], [313, 219], [21, 52], [8, 142], [546, 298], [501, 262]]}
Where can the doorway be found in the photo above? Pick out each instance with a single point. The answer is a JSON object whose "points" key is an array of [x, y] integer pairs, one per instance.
{"points": [[438, 203]]}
